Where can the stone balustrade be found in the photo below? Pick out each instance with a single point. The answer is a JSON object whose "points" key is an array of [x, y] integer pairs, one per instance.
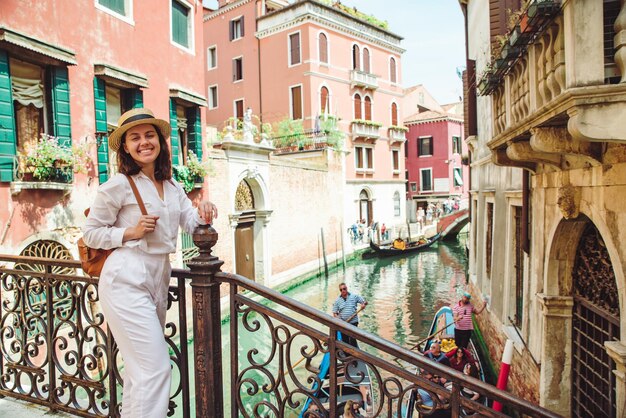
{"points": [[363, 79]]}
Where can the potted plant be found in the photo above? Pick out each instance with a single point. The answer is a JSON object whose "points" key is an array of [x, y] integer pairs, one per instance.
{"points": [[191, 174], [47, 160]]}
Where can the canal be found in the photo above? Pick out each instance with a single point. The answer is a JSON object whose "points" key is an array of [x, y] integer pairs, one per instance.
{"points": [[402, 293]]}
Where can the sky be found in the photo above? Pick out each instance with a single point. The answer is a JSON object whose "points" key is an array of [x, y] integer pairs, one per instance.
{"points": [[434, 39]]}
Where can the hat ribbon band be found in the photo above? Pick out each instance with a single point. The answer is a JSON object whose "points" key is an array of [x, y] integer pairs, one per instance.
{"points": [[137, 117]]}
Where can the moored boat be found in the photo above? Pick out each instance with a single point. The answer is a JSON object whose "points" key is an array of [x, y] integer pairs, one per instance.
{"points": [[386, 250]]}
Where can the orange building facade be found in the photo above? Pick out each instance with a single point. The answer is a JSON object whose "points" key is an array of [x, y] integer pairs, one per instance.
{"points": [[68, 72]]}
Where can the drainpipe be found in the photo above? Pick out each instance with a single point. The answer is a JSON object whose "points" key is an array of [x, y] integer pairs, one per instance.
{"points": [[258, 55]]}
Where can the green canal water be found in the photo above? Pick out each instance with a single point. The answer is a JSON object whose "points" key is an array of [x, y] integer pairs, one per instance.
{"points": [[403, 294]]}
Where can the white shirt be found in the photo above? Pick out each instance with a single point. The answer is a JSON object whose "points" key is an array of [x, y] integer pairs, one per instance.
{"points": [[115, 209]]}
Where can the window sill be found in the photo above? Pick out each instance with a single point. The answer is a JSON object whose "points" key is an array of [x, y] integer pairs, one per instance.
{"points": [[425, 156], [18, 186], [123, 18], [189, 50]]}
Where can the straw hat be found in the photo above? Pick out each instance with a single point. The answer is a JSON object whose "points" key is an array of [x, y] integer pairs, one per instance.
{"points": [[134, 117]]}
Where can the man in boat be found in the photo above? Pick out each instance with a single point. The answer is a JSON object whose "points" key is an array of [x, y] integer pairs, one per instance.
{"points": [[345, 307], [464, 325], [440, 357]]}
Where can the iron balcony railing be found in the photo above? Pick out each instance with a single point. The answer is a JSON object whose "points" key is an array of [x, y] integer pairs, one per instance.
{"points": [[58, 352]]}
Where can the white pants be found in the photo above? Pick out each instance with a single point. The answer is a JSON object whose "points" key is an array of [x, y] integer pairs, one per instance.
{"points": [[133, 295]]}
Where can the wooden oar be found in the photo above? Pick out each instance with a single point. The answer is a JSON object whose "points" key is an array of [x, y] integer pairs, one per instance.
{"points": [[433, 334], [347, 320]]}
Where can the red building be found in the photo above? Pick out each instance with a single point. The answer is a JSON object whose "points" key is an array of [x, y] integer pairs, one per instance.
{"points": [[434, 150]]}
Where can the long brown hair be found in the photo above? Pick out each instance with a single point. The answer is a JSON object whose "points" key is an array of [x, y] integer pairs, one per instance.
{"points": [[162, 165]]}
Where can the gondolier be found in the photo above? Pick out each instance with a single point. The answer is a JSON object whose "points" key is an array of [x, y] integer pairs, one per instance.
{"points": [[463, 311], [345, 307]]}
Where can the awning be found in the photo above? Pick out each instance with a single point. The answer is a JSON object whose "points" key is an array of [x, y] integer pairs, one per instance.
{"points": [[120, 77], [17, 42], [186, 97], [457, 178]]}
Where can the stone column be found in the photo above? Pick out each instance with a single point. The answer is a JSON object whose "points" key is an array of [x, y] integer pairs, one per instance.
{"points": [[617, 351], [556, 353], [619, 41]]}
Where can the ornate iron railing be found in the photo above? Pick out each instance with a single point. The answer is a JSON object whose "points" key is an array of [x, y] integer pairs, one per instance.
{"points": [[66, 359]]}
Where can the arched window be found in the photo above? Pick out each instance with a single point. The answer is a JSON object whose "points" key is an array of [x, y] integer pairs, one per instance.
{"points": [[356, 58], [368, 108], [357, 107], [396, 204], [394, 114], [324, 100], [366, 60], [392, 70], [323, 48]]}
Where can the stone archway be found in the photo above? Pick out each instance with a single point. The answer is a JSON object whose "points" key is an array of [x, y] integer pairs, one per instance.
{"points": [[575, 298]]}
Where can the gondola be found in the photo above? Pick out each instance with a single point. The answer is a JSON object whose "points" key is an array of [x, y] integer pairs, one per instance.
{"points": [[357, 371], [444, 319], [387, 250]]}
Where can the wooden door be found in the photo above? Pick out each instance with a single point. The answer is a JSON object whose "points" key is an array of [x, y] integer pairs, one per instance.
{"points": [[244, 249]]}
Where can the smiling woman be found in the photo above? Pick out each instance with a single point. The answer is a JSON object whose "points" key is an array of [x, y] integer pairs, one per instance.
{"points": [[135, 277]]}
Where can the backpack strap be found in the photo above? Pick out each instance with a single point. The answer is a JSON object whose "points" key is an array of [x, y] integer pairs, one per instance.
{"points": [[133, 186]]}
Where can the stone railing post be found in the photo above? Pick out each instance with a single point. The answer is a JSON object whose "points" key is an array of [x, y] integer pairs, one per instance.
{"points": [[207, 344]]}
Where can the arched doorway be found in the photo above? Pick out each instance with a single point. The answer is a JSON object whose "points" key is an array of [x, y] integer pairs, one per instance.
{"points": [[365, 207], [244, 231], [595, 320]]}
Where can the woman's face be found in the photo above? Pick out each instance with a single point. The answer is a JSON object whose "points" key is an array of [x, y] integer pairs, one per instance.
{"points": [[459, 354], [142, 143]]}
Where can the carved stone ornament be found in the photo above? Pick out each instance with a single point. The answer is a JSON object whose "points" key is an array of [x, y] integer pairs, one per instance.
{"points": [[569, 201], [244, 199]]}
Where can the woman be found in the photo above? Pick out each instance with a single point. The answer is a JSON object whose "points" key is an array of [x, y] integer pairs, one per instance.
{"points": [[459, 360], [352, 410], [470, 370], [134, 281]]}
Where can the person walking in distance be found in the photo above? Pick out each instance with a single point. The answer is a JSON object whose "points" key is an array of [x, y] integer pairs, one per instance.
{"points": [[464, 325], [345, 308], [133, 285]]}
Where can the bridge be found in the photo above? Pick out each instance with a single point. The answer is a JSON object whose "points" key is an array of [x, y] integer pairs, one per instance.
{"points": [[56, 350], [450, 225]]}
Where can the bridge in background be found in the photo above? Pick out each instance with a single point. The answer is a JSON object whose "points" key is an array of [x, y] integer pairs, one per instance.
{"points": [[450, 225]]}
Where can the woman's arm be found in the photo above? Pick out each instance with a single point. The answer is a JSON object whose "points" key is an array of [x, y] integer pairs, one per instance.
{"points": [[191, 217]]}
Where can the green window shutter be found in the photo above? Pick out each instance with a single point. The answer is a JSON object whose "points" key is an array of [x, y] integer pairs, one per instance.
{"points": [[174, 135], [194, 136], [180, 16], [100, 104], [7, 121], [61, 106], [117, 6], [136, 98]]}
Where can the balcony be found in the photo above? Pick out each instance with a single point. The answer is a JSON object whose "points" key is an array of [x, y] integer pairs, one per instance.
{"points": [[556, 96], [365, 129], [362, 79], [397, 134]]}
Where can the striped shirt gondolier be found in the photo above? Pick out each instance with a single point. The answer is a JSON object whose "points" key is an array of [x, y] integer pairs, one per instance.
{"points": [[348, 307], [465, 323]]}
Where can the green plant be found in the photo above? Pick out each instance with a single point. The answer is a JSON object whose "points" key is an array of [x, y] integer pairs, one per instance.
{"points": [[288, 132], [334, 136], [46, 157], [192, 171], [399, 128], [367, 123]]}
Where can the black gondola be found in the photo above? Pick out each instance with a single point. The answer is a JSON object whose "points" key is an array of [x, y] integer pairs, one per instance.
{"points": [[387, 250]]}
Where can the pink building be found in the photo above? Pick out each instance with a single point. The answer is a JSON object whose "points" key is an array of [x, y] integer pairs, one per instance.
{"points": [[434, 151], [70, 70], [306, 60]]}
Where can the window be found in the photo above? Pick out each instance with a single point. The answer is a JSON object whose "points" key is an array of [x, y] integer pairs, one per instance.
{"points": [[294, 48], [394, 114], [323, 48], [413, 187], [235, 29], [456, 145], [357, 106], [392, 70], [489, 237], [366, 60], [30, 109], [324, 100], [238, 69], [364, 158], [182, 32], [425, 146], [212, 97], [211, 57], [395, 161], [368, 108], [186, 132], [239, 109], [458, 177], [426, 175], [519, 266], [296, 102], [121, 7], [356, 58], [396, 204]]}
